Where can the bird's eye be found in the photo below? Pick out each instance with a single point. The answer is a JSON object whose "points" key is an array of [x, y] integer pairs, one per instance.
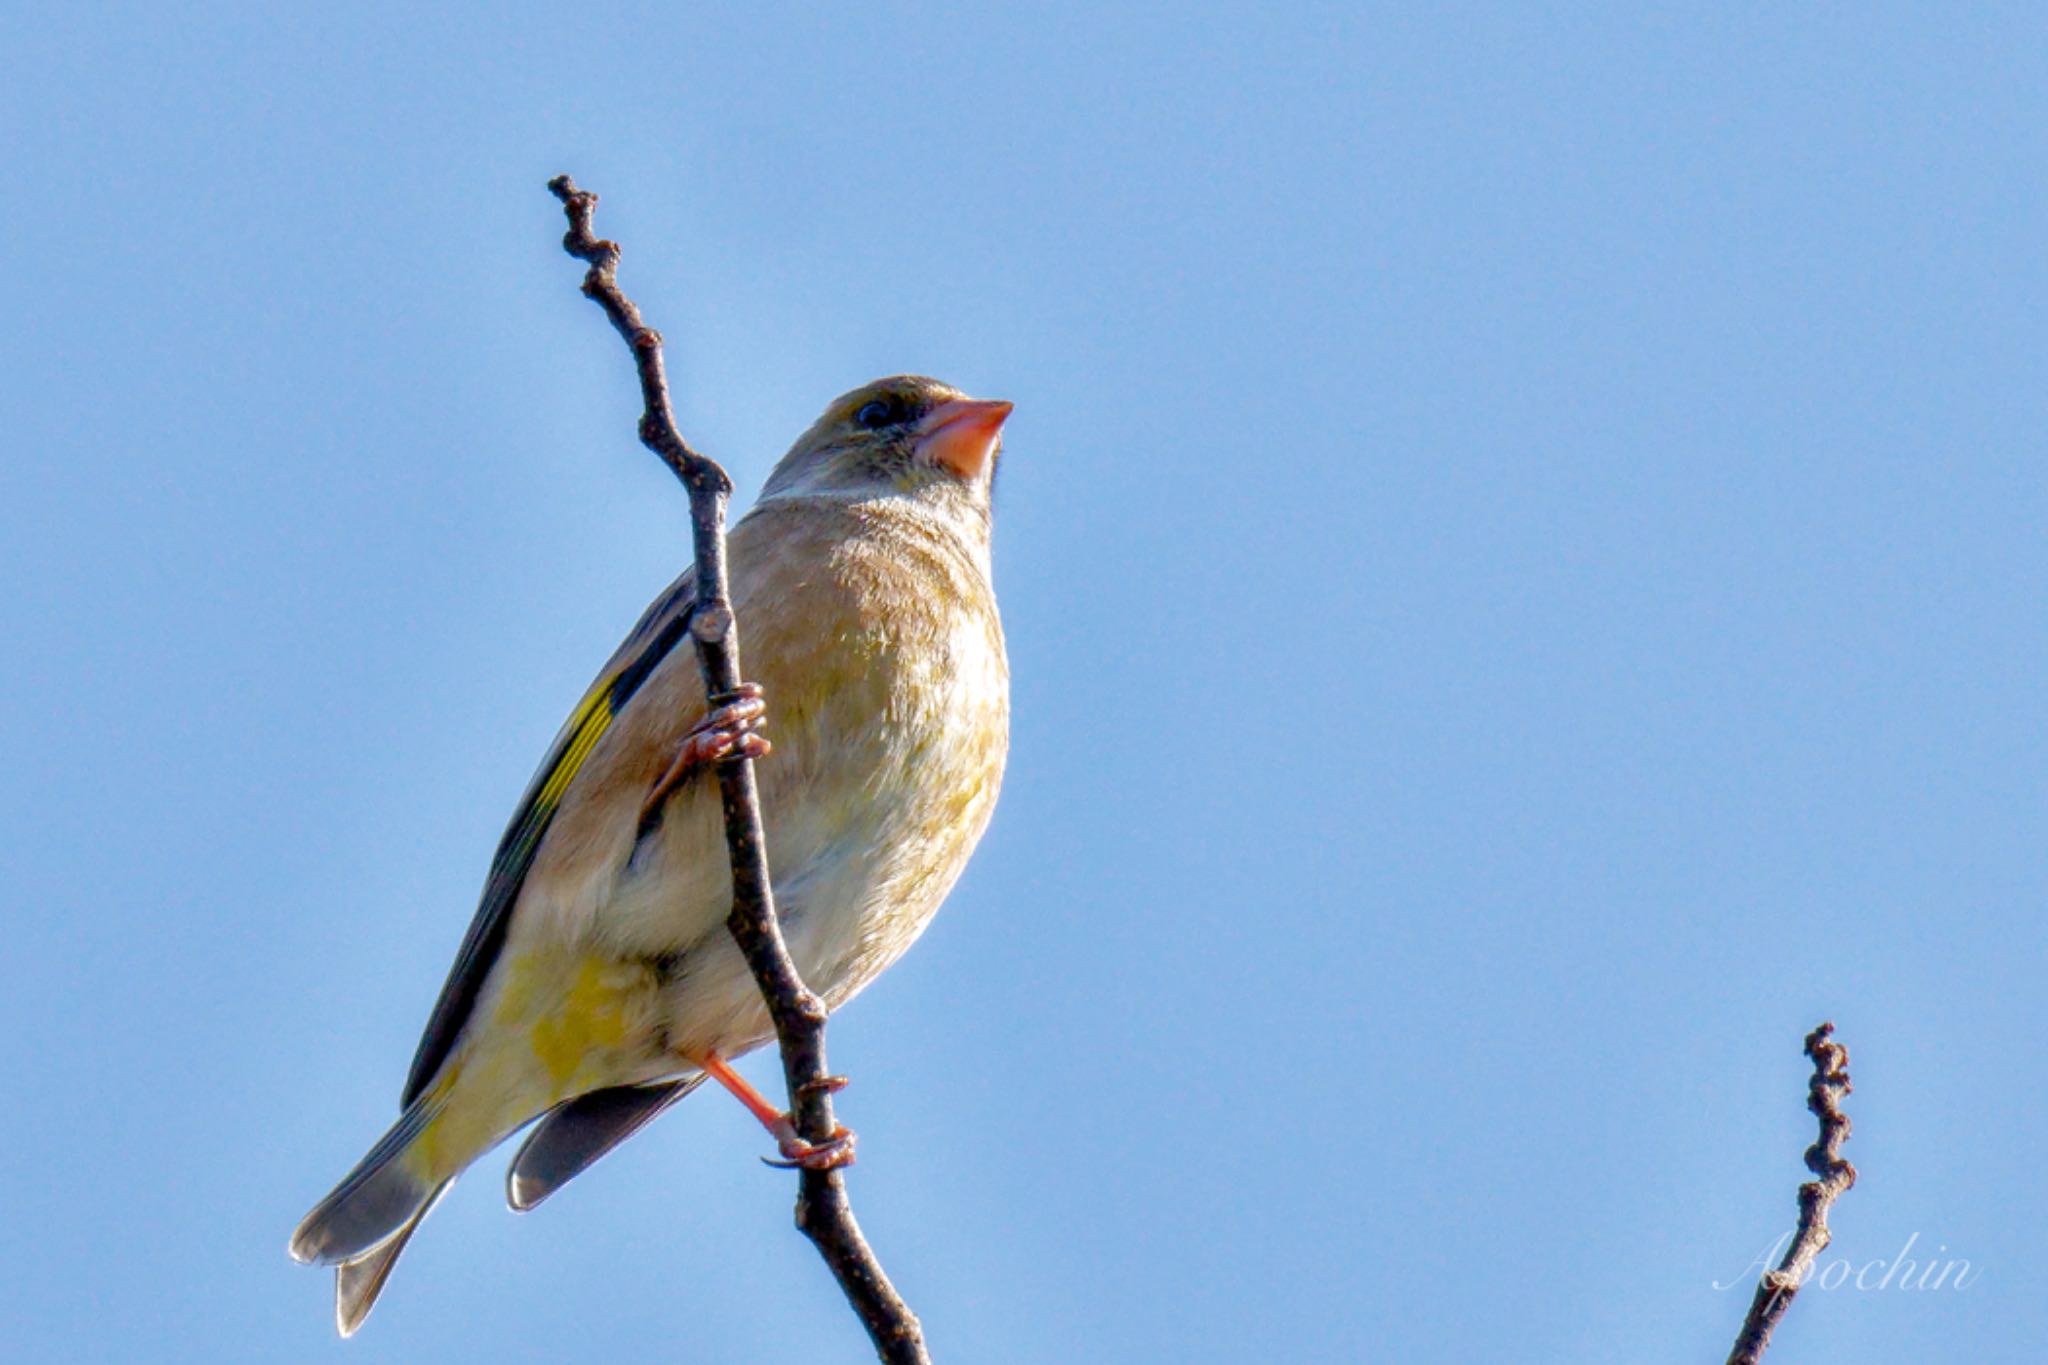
{"points": [[875, 413]]}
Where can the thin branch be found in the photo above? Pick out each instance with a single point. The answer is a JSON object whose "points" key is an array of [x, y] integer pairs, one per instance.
{"points": [[1774, 1292], [823, 1211]]}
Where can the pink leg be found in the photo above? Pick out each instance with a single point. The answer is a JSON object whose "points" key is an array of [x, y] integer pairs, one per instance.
{"points": [[729, 731], [812, 1156]]}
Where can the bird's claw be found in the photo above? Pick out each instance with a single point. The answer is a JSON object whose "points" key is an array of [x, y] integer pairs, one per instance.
{"points": [[730, 730], [798, 1154], [729, 726]]}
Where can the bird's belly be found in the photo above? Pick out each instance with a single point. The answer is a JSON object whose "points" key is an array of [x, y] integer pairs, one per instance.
{"points": [[863, 844]]}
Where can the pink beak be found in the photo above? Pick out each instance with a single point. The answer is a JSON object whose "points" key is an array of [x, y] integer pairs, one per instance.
{"points": [[963, 435]]}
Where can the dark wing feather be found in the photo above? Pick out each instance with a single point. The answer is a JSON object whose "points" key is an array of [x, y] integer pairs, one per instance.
{"points": [[662, 625]]}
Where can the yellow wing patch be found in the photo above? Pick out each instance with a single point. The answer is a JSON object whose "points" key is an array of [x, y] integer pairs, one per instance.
{"points": [[585, 728]]}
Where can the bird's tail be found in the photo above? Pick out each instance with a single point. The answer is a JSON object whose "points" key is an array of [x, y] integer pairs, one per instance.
{"points": [[364, 1224], [388, 1187], [559, 1029], [357, 1283]]}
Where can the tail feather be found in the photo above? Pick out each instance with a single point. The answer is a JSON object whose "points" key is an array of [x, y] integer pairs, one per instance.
{"points": [[571, 1136], [562, 1028], [382, 1195], [357, 1283]]}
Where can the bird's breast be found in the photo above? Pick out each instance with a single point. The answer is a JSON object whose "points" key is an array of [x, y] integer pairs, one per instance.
{"points": [[888, 695]]}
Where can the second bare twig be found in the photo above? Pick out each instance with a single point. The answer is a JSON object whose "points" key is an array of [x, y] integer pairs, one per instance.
{"points": [[1816, 1197]]}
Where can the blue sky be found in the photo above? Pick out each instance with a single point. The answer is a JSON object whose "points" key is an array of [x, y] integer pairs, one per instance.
{"points": [[1521, 544]]}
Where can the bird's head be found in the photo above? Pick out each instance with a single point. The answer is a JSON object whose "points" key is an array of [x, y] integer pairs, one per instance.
{"points": [[905, 436]]}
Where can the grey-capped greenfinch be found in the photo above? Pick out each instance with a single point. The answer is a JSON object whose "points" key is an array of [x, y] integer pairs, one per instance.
{"points": [[597, 984]]}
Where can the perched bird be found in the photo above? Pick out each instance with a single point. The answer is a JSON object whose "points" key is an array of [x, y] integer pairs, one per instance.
{"points": [[597, 984]]}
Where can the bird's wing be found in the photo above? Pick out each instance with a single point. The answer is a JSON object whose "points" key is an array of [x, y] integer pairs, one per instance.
{"points": [[664, 624]]}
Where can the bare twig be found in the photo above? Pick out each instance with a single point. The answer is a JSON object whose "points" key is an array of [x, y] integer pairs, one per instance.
{"points": [[1774, 1292], [822, 1209]]}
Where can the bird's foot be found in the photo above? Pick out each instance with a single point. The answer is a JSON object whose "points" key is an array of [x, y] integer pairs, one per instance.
{"points": [[797, 1154], [730, 730]]}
